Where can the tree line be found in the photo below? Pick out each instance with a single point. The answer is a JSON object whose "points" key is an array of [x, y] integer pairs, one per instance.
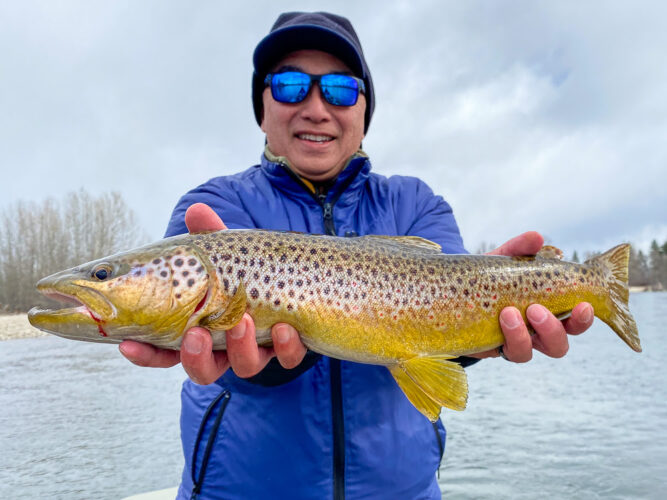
{"points": [[41, 238]]}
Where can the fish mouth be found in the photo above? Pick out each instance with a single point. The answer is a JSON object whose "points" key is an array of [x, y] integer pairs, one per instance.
{"points": [[80, 321]]}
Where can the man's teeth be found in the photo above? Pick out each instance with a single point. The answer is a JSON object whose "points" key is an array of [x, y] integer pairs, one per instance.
{"points": [[315, 138]]}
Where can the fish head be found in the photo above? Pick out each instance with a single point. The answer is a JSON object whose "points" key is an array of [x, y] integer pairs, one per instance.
{"points": [[150, 294]]}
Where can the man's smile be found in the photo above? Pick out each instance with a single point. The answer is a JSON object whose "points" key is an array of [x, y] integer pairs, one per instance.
{"points": [[318, 138]]}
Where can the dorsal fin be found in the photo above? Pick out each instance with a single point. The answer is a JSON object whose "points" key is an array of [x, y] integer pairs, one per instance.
{"points": [[549, 252], [413, 241]]}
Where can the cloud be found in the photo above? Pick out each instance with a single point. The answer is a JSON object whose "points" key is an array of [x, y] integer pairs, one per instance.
{"points": [[523, 115]]}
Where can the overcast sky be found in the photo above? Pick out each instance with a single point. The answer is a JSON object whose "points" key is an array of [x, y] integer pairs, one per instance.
{"points": [[523, 115]]}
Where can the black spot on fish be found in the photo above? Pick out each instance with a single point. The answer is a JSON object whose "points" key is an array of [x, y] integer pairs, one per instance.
{"points": [[192, 262], [191, 282], [157, 261], [254, 293], [225, 283], [243, 250], [241, 273], [237, 260], [163, 274], [178, 262], [178, 295], [280, 284], [174, 282], [276, 302]]}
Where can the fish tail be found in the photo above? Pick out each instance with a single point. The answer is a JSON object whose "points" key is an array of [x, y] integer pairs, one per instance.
{"points": [[431, 382], [617, 315]]}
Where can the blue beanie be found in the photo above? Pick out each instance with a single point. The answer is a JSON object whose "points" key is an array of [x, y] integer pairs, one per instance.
{"points": [[316, 31]]}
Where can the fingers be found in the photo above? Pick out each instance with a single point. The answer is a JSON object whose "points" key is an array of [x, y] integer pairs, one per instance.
{"points": [[525, 244], [550, 336], [518, 344], [147, 355], [246, 357], [581, 319], [287, 345], [200, 362], [200, 217]]}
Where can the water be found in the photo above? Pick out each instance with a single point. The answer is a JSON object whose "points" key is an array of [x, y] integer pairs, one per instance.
{"points": [[77, 421]]}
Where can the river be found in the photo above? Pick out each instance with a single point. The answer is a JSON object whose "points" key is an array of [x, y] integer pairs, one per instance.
{"points": [[77, 421]]}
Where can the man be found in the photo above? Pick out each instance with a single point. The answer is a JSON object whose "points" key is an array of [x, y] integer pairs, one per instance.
{"points": [[304, 425]]}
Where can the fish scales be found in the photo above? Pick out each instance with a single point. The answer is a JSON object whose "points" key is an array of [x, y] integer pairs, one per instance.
{"points": [[397, 300], [393, 301]]}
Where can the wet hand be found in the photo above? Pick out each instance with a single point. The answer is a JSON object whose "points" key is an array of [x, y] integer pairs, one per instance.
{"points": [[550, 333], [243, 355]]}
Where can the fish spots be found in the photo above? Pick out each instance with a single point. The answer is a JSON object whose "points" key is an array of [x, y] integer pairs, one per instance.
{"points": [[164, 274], [178, 262]]}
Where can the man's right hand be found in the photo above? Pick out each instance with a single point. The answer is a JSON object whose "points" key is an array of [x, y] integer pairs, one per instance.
{"points": [[200, 362]]}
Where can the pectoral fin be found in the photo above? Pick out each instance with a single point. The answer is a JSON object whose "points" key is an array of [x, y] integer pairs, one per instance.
{"points": [[431, 382], [230, 316]]}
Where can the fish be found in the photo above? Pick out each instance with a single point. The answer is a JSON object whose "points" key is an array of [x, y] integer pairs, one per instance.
{"points": [[396, 301]]}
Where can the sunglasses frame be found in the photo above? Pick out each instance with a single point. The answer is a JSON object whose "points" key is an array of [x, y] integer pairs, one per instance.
{"points": [[361, 87]]}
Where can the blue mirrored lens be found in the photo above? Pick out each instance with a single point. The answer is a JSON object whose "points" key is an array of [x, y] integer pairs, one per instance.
{"points": [[290, 86], [339, 90]]}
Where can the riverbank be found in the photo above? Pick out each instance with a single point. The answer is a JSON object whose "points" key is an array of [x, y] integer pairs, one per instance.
{"points": [[16, 326]]}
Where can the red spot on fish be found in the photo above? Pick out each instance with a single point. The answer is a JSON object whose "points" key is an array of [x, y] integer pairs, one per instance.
{"points": [[548, 289], [478, 295], [430, 316], [495, 297], [458, 315], [471, 305], [395, 317]]}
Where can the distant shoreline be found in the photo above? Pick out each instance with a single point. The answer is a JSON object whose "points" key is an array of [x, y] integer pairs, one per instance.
{"points": [[16, 326]]}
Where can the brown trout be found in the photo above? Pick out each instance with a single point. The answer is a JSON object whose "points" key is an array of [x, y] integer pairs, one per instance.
{"points": [[392, 301]]}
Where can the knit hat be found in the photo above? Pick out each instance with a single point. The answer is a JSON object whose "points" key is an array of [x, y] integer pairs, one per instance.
{"points": [[316, 31]]}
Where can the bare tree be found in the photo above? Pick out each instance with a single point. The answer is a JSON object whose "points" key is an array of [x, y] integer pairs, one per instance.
{"points": [[38, 239]]}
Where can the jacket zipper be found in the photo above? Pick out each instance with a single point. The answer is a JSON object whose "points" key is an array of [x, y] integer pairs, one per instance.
{"points": [[335, 381], [334, 364]]}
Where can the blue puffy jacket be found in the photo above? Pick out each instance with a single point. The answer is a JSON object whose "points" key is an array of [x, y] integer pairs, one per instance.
{"points": [[328, 429]]}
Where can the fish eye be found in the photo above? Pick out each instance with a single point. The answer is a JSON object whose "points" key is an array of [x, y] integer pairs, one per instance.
{"points": [[101, 272]]}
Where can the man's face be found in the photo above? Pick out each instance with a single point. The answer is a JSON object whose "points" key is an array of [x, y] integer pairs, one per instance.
{"points": [[316, 137]]}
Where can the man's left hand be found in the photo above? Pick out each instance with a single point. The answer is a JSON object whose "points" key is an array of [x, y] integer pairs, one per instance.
{"points": [[550, 337]]}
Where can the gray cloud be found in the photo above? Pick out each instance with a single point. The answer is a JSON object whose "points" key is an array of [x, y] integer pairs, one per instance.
{"points": [[524, 115]]}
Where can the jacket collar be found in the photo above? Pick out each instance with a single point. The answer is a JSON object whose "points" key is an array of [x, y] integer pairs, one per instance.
{"points": [[278, 171]]}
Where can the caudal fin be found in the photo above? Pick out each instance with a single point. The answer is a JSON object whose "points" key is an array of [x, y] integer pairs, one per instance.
{"points": [[618, 316]]}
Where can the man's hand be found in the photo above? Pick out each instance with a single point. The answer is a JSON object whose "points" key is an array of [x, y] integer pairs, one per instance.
{"points": [[550, 336], [200, 362]]}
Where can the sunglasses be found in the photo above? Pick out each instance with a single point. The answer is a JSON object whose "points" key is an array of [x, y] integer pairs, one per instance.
{"points": [[293, 86]]}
